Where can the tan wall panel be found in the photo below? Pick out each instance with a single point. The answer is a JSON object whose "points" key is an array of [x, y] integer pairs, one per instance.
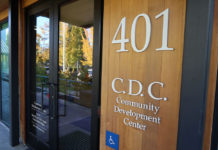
{"points": [[4, 14], [27, 3], [22, 77], [146, 67]]}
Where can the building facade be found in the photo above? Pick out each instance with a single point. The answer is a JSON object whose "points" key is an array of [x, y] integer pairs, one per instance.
{"points": [[112, 74]]}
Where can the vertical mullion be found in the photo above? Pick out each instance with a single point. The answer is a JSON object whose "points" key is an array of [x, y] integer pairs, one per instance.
{"points": [[30, 74], [13, 73], [56, 66], [51, 133], [54, 76], [96, 86]]}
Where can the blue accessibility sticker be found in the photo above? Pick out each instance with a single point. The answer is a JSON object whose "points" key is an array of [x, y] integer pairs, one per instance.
{"points": [[112, 140]]}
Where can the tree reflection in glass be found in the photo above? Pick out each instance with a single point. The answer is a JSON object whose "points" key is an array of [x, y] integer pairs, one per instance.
{"points": [[40, 99], [75, 85]]}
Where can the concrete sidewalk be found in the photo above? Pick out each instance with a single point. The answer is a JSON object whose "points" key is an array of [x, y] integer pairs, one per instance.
{"points": [[4, 140]]}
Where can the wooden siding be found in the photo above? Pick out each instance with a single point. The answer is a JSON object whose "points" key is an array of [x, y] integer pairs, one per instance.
{"points": [[146, 67]]}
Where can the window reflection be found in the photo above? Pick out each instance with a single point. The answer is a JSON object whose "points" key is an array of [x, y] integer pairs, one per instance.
{"points": [[40, 99], [5, 95], [75, 76]]}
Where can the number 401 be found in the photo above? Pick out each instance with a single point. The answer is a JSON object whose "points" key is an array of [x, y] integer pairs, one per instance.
{"points": [[123, 40]]}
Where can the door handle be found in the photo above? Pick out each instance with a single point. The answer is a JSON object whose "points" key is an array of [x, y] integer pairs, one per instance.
{"points": [[53, 102]]}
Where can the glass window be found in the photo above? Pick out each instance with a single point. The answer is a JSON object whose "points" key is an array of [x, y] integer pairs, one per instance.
{"points": [[75, 74], [5, 96], [40, 98]]}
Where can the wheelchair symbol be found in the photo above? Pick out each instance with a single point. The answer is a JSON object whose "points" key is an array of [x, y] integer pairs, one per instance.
{"points": [[111, 141]]}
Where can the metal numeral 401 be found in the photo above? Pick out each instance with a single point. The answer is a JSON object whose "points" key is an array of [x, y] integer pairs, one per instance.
{"points": [[123, 40]]}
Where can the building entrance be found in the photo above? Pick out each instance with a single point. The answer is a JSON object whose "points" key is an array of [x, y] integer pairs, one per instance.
{"points": [[60, 75]]}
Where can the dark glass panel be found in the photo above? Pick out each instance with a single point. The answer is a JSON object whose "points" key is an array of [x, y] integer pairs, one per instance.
{"points": [[5, 95], [75, 74], [40, 91]]}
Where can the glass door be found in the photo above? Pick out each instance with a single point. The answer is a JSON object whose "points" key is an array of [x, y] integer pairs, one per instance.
{"points": [[75, 74], [60, 75], [40, 116]]}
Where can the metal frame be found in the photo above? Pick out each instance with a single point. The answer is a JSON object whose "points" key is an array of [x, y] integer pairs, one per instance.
{"points": [[31, 139], [13, 63], [53, 75], [97, 65], [54, 41], [197, 47]]}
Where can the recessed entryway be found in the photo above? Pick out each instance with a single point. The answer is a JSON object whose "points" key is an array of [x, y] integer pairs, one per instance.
{"points": [[60, 75]]}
